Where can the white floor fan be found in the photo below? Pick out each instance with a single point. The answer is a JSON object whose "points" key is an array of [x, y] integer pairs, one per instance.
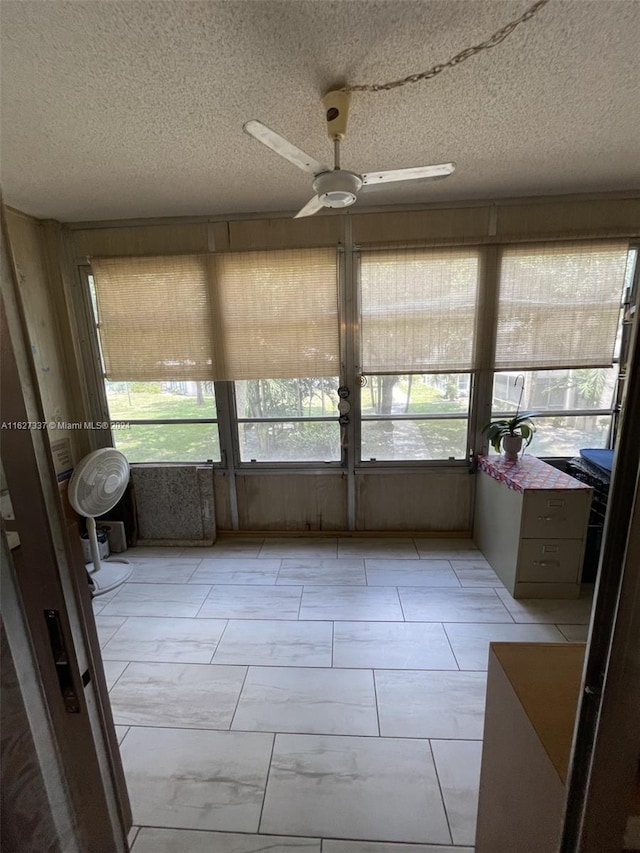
{"points": [[96, 485]]}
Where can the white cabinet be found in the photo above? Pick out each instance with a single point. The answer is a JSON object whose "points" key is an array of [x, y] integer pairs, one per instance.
{"points": [[530, 522]]}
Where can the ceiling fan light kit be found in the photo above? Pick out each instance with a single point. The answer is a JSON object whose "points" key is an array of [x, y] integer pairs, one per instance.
{"points": [[338, 188]]}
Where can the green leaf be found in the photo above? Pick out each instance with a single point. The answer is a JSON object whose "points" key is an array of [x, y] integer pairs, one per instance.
{"points": [[520, 425], [527, 433]]}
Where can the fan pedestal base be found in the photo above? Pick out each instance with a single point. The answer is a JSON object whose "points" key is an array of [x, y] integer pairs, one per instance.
{"points": [[111, 574]]}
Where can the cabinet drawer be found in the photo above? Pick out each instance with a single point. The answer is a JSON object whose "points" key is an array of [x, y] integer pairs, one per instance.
{"points": [[550, 560], [555, 514]]}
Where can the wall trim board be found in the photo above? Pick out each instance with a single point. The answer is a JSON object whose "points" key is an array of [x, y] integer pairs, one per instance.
{"points": [[341, 534], [528, 221], [176, 238], [277, 233], [86, 225], [604, 218], [15, 212], [475, 222]]}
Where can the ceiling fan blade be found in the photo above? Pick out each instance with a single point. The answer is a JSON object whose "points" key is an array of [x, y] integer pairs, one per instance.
{"points": [[415, 173], [283, 147], [312, 206]]}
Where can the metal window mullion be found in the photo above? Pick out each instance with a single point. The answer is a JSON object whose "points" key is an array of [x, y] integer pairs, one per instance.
{"points": [[448, 416], [408, 466], [350, 325], [288, 420], [458, 371], [288, 468], [154, 421], [559, 413], [91, 358], [229, 451], [631, 303], [486, 326]]}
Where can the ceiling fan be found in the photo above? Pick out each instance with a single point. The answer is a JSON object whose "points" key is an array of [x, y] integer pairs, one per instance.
{"points": [[337, 187]]}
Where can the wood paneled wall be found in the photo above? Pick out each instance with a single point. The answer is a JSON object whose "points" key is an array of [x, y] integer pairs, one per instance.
{"points": [[503, 222], [33, 253], [426, 499], [476, 223], [292, 501]]}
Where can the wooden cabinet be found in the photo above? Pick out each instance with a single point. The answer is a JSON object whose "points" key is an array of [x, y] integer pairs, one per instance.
{"points": [[530, 522], [532, 700], [532, 697]]}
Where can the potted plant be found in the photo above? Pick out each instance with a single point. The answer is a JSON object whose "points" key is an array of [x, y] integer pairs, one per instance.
{"points": [[511, 433]]}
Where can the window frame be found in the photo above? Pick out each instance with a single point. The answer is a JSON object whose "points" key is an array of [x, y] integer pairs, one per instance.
{"points": [[416, 416], [612, 411], [227, 420], [354, 322], [265, 464], [350, 375], [232, 421], [87, 275]]}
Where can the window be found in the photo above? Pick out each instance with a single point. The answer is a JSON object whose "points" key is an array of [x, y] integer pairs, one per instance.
{"points": [[415, 416], [167, 421], [288, 420], [574, 407], [281, 312], [262, 329], [278, 314], [558, 326], [162, 420], [418, 310], [154, 318], [559, 305], [267, 321]]}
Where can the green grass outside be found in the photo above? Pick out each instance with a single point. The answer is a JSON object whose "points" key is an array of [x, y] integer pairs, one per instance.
{"points": [[145, 405], [163, 442], [169, 442], [199, 442], [424, 399]]}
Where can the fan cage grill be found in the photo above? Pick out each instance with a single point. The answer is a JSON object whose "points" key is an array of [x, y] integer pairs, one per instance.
{"points": [[98, 482]]}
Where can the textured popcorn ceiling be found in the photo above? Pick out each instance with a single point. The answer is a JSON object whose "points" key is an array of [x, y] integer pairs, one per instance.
{"points": [[135, 109]]}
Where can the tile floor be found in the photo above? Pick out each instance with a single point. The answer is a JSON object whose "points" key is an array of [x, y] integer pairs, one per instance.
{"points": [[309, 695]]}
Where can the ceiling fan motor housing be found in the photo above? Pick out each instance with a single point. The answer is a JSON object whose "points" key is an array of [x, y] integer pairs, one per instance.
{"points": [[336, 104], [338, 188]]}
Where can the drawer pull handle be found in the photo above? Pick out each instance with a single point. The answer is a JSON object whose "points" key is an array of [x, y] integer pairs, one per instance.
{"points": [[546, 563], [551, 518]]}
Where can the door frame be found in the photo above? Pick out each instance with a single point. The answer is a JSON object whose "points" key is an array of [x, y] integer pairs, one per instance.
{"points": [[48, 572], [603, 770]]}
